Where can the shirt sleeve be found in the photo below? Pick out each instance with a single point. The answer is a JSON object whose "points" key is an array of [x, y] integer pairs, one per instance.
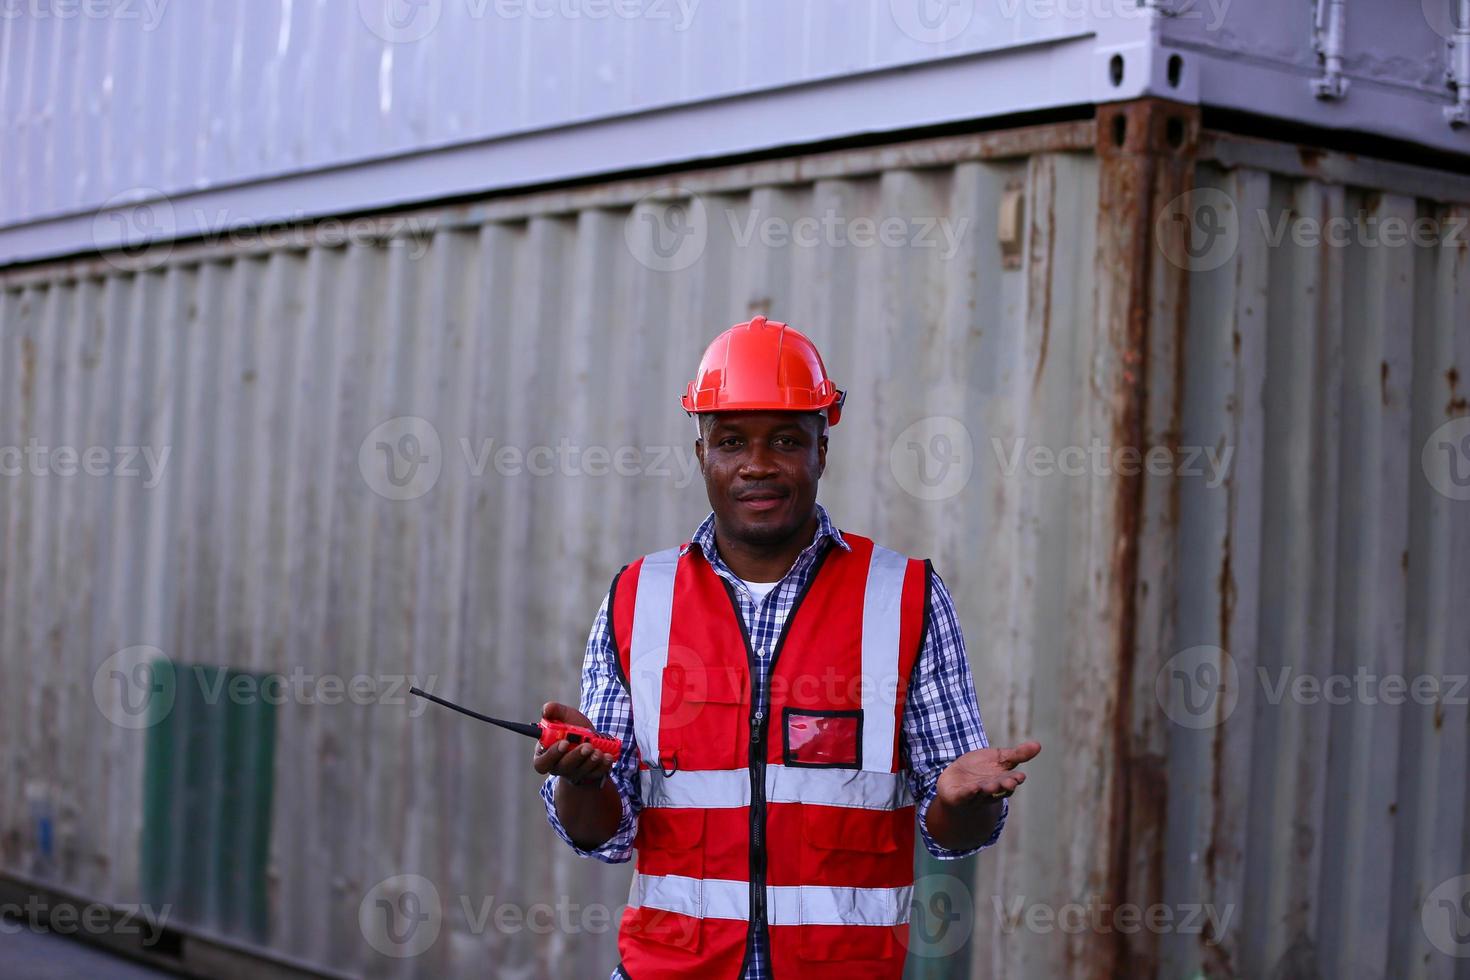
{"points": [[941, 719], [606, 703]]}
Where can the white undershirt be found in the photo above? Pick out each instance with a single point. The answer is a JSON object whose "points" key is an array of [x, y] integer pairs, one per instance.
{"points": [[759, 589]]}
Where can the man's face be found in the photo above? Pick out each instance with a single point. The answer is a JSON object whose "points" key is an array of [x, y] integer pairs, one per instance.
{"points": [[761, 471]]}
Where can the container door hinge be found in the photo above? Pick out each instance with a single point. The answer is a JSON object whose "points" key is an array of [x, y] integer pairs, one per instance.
{"points": [[1329, 29]]}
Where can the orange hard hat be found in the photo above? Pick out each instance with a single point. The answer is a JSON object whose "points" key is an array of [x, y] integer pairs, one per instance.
{"points": [[763, 365]]}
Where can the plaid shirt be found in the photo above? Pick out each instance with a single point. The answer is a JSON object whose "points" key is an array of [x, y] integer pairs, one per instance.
{"points": [[941, 719]]}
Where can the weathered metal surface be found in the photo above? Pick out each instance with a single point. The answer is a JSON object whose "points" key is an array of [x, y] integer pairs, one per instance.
{"points": [[1147, 151], [1325, 353], [265, 548], [211, 115], [271, 542]]}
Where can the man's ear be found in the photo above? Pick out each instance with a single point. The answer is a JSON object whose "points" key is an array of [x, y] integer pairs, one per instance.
{"points": [[821, 455], [699, 453]]}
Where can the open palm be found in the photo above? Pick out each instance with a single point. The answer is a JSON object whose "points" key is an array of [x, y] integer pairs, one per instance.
{"points": [[985, 772]]}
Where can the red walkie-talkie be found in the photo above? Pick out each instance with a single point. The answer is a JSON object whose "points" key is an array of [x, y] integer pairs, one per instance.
{"points": [[546, 731]]}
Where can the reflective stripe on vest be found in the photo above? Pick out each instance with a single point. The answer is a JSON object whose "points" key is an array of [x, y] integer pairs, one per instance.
{"points": [[787, 905], [880, 654], [653, 611], [723, 788]]}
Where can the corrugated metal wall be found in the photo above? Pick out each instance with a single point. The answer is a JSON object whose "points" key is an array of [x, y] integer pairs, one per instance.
{"points": [[271, 542], [264, 548], [237, 91], [1329, 552]]}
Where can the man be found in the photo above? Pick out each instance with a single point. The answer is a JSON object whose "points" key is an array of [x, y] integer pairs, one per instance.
{"points": [[790, 697]]}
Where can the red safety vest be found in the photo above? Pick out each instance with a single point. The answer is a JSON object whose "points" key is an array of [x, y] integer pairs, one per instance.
{"points": [[794, 820]]}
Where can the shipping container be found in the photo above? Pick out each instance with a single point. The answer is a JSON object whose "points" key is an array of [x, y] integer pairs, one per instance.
{"points": [[1169, 407]]}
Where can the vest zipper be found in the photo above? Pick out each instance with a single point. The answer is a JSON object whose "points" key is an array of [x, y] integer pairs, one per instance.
{"points": [[757, 763]]}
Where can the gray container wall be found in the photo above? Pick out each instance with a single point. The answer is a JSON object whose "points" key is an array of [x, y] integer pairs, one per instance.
{"points": [[532, 320], [264, 548], [128, 117], [1326, 821]]}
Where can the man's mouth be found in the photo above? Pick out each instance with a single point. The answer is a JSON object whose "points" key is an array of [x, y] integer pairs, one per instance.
{"points": [[761, 500]]}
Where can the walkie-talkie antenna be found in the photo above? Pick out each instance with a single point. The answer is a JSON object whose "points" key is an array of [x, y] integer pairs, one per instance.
{"points": [[522, 727]]}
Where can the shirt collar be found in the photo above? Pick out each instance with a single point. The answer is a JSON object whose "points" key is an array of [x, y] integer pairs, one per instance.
{"points": [[705, 538]]}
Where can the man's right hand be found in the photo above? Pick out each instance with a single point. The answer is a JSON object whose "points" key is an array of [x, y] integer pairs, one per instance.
{"points": [[579, 764]]}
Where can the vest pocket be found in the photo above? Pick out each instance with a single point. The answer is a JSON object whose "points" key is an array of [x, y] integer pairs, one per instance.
{"points": [[848, 828], [670, 841], [816, 739], [863, 951], [661, 926], [703, 718], [850, 846]]}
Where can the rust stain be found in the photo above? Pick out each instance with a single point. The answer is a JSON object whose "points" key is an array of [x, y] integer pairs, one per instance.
{"points": [[1311, 157], [1456, 404], [27, 368], [1383, 381], [1051, 239], [1139, 173]]}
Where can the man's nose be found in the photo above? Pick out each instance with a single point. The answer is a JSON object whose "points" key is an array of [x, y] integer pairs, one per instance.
{"points": [[758, 462]]}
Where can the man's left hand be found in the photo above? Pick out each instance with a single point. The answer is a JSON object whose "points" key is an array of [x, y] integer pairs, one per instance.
{"points": [[984, 775]]}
